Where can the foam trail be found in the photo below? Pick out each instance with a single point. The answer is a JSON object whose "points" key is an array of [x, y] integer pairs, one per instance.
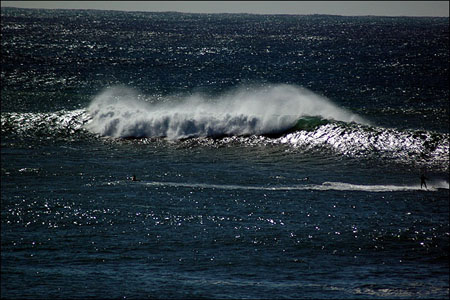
{"points": [[439, 184], [118, 112], [326, 186]]}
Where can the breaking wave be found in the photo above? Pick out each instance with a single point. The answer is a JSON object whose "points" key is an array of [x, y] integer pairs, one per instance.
{"points": [[118, 112], [280, 115]]}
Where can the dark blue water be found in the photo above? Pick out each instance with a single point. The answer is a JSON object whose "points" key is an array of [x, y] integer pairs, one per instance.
{"points": [[275, 156]]}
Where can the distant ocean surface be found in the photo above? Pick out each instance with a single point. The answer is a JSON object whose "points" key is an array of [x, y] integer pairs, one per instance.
{"points": [[275, 156]]}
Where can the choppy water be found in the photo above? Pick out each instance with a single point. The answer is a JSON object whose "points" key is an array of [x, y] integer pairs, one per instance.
{"points": [[274, 155]]}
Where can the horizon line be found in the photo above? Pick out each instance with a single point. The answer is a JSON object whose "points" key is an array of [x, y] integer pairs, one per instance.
{"points": [[223, 13]]}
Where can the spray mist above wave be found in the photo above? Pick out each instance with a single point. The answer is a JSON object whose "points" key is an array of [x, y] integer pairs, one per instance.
{"points": [[119, 112]]}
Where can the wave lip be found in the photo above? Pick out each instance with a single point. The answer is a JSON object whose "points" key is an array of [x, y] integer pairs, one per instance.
{"points": [[118, 112]]}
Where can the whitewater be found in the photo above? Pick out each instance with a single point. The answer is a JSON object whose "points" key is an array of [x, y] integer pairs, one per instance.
{"points": [[118, 112], [325, 186]]}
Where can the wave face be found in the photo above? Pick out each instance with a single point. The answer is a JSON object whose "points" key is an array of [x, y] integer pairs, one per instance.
{"points": [[356, 140], [118, 112]]}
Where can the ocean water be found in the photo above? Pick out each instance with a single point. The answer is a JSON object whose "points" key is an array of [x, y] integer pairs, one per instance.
{"points": [[275, 155]]}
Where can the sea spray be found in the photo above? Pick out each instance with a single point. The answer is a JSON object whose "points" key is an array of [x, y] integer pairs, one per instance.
{"points": [[119, 112]]}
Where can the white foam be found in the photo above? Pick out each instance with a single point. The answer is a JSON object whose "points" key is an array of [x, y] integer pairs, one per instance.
{"points": [[326, 186], [439, 184], [118, 112], [341, 186]]}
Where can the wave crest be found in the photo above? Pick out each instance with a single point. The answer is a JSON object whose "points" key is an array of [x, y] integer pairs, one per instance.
{"points": [[119, 112]]}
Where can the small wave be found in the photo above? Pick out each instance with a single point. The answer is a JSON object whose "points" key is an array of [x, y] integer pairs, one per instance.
{"points": [[356, 140], [61, 123], [118, 112]]}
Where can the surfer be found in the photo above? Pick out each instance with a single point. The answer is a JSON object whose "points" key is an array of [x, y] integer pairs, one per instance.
{"points": [[423, 181], [133, 178]]}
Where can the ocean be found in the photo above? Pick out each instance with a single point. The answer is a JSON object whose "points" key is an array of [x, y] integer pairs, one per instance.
{"points": [[273, 156]]}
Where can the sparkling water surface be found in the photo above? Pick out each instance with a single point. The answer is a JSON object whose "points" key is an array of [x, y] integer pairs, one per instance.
{"points": [[324, 201]]}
